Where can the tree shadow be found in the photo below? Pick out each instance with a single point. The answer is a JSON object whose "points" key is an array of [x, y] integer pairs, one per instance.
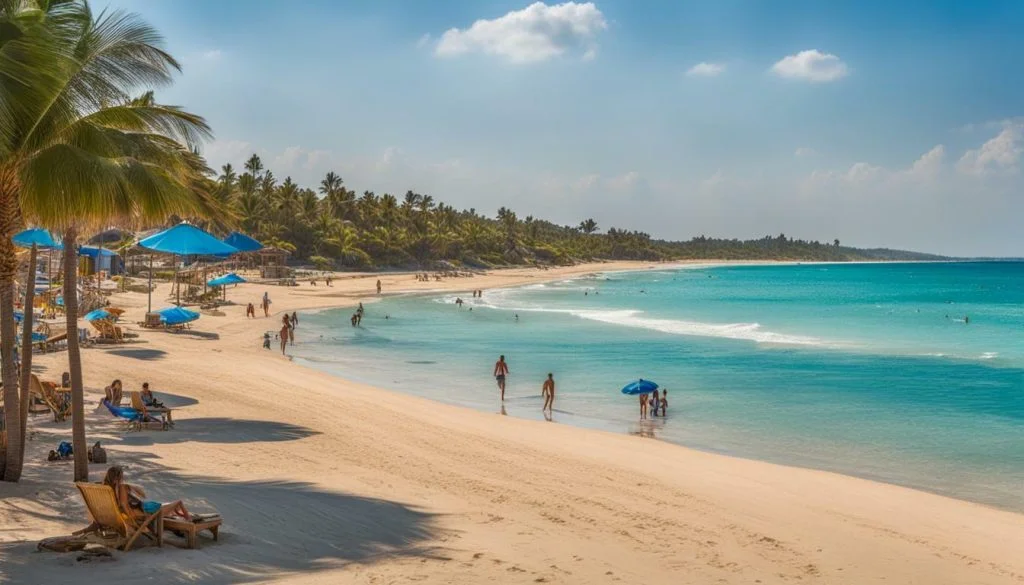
{"points": [[271, 528], [139, 354], [209, 335], [219, 430]]}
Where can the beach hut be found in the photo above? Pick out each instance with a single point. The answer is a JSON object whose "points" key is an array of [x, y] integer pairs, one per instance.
{"points": [[93, 259]]}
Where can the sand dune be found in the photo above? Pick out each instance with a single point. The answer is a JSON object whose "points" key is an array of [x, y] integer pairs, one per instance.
{"points": [[321, 480]]}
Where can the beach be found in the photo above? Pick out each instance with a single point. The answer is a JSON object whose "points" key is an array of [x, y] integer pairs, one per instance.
{"points": [[323, 480]]}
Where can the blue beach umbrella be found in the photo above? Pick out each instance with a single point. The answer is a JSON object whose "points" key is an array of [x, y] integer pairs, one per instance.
{"points": [[177, 316], [243, 242], [38, 236], [229, 278], [185, 239], [640, 386], [97, 315]]}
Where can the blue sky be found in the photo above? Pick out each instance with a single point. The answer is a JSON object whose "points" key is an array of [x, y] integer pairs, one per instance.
{"points": [[880, 123]]}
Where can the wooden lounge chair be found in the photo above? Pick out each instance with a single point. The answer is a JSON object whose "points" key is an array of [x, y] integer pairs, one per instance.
{"points": [[60, 407], [108, 331], [191, 529], [109, 521], [149, 411]]}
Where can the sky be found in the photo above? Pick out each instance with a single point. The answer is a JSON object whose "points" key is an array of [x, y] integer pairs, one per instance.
{"points": [[895, 124]]}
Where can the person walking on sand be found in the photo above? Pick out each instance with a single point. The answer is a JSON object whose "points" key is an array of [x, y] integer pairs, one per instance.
{"points": [[500, 371], [266, 304], [378, 286], [285, 332], [250, 311], [548, 392]]}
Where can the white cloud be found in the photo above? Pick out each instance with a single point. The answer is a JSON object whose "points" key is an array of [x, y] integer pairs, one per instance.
{"points": [[423, 41], [211, 55], [811, 65], [535, 33], [863, 171], [804, 152], [220, 152], [1000, 154], [930, 163], [705, 70]]}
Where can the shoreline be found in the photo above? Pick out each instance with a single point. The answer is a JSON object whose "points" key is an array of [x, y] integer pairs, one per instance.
{"points": [[457, 495]]}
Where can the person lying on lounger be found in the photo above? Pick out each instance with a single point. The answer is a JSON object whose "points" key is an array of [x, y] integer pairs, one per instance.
{"points": [[130, 498]]}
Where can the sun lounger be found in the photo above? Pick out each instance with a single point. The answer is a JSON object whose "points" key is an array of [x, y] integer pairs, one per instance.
{"points": [[109, 520], [136, 419], [190, 529], [58, 402], [108, 331], [153, 412]]}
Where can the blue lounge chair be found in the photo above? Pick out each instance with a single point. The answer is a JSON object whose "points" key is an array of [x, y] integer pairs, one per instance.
{"points": [[135, 419]]}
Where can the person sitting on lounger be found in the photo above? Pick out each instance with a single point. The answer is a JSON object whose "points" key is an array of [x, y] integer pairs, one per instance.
{"points": [[114, 392], [130, 498], [147, 397]]}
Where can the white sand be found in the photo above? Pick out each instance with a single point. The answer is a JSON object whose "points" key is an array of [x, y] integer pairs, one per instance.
{"points": [[321, 480]]}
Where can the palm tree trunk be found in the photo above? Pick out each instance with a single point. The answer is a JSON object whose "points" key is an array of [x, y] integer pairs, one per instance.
{"points": [[26, 339], [13, 453], [74, 356]]}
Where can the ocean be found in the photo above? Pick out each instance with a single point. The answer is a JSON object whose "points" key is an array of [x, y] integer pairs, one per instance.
{"points": [[911, 374]]}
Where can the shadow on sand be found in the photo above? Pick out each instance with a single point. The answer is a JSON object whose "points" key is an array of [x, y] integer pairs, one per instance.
{"points": [[139, 354], [219, 430], [270, 528]]}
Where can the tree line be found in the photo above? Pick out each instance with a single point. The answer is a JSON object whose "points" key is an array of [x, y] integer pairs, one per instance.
{"points": [[334, 227]]}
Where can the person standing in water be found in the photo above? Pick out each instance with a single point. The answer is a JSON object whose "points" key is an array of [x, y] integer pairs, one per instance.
{"points": [[286, 330], [295, 320], [643, 406], [500, 371], [548, 392]]}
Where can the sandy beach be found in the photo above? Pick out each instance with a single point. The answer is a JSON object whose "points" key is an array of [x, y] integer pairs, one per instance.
{"points": [[322, 480]]}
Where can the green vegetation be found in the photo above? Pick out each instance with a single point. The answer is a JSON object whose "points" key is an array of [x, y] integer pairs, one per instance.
{"points": [[336, 227]]}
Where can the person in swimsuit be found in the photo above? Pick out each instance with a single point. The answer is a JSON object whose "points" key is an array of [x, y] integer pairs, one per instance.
{"points": [[664, 402], [500, 371], [378, 286], [654, 402], [130, 498], [548, 392], [643, 406], [266, 304], [286, 330]]}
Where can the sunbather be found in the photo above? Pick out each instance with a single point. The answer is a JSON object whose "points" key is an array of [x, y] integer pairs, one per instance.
{"points": [[130, 498], [114, 392]]}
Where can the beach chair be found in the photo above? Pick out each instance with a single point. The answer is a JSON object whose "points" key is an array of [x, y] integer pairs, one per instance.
{"points": [[59, 404], [136, 419], [190, 529], [108, 521], [108, 331], [139, 405]]}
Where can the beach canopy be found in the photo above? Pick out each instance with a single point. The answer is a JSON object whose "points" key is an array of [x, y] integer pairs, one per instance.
{"points": [[38, 236], [640, 386], [97, 315], [186, 240], [94, 252], [242, 242], [177, 316], [229, 278]]}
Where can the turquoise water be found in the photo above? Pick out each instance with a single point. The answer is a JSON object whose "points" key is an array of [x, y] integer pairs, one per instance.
{"points": [[865, 369]]}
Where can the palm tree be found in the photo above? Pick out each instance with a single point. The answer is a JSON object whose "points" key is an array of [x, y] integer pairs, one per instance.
{"points": [[81, 152], [588, 226]]}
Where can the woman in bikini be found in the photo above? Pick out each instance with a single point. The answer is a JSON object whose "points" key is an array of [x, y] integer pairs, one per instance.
{"points": [[130, 498]]}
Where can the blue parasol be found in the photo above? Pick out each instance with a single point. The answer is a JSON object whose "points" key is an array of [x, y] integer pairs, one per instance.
{"points": [[243, 242], [186, 240], [177, 316], [229, 278], [97, 315], [640, 386], [38, 236]]}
